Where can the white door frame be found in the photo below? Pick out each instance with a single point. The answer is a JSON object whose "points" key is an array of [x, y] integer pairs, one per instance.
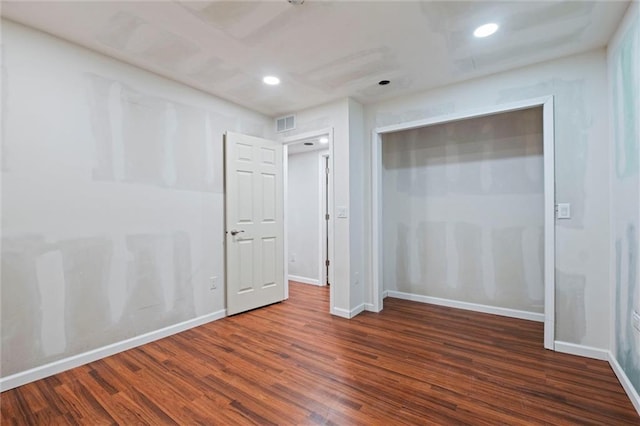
{"points": [[549, 198], [323, 157], [290, 140]]}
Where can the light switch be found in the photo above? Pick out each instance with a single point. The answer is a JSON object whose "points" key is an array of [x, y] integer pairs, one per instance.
{"points": [[564, 211], [342, 212]]}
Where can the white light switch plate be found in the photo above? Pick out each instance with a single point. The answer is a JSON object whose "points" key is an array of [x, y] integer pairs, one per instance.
{"points": [[564, 211], [342, 212]]}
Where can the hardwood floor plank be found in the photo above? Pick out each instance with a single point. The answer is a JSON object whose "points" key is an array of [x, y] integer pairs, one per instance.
{"points": [[293, 363]]}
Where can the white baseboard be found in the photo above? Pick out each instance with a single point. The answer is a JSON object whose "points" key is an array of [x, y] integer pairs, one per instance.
{"points": [[304, 280], [56, 367], [348, 314], [632, 393], [340, 312], [385, 294], [370, 307], [495, 310], [581, 350], [357, 310]]}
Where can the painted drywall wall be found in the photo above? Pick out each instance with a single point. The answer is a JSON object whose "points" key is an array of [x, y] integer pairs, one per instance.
{"points": [[305, 212], [338, 115], [623, 58], [463, 211], [356, 203], [578, 84], [112, 199]]}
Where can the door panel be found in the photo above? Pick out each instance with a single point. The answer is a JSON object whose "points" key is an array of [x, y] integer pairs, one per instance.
{"points": [[254, 212]]}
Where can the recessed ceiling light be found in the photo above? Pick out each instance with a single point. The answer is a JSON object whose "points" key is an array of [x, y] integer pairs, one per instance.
{"points": [[308, 143], [271, 80], [485, 30], [323, 140], [383, 82]]}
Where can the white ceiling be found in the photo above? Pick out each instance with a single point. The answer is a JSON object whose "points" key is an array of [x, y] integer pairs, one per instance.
{"points": [[323, 50], [301, 148]]}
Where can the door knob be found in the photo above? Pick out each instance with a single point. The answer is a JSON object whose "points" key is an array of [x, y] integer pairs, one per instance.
{"points": [[235, 232]]}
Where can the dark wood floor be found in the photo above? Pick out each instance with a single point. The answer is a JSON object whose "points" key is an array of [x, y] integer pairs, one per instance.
{"points": [[292, 363]]}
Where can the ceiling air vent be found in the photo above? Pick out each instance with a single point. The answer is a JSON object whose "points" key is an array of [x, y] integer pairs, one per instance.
{"points": [[284, 124]]}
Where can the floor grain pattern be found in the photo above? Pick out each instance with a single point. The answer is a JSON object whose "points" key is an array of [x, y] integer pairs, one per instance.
{"points": [[293, 363]]}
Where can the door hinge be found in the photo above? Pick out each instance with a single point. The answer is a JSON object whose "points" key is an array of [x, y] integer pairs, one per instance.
{"points": [[326, 216], [326, 262], [326, 170]]}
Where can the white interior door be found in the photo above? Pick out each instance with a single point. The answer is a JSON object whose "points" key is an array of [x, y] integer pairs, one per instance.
{"points": [[254, 222]]}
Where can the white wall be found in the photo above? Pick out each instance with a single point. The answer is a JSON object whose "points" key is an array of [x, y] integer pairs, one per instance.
{"points": [[341, 116], [305, 212], [112, 198], [623, 58], [357, 227], [578, 84], [463, 211]]}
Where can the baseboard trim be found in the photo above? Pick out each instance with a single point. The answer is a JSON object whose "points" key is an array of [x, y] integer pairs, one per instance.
{"points": [[59, 366], [304, 280], [495, 310], [348, 314], [632, 393], [357, 310], [385, 294], [581, 350], [370, 307], [339, 312]]}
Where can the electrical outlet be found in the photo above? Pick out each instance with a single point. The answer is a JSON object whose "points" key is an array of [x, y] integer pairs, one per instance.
{"points": [[213, 283], [635, 321]]}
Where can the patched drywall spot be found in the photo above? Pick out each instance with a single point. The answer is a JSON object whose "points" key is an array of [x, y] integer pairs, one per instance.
{"points": [[21, 334], [401, 83], [487, 59], [145, 281], [51, 283], [159, 284], [213, 71], [251, 22], [468, 240], [543, 13], [533, 252], [87, 264], [508, 263], [625, 86], [573, 122], [432, 258], [98, 94], [146, 139], [403, 256], [251, 128], [143, 131], [189, 144], [386, 118], [451, 22], [183, 273], [571, 317], [158, 46], [348, 69], [627, 299], [408, 155]]}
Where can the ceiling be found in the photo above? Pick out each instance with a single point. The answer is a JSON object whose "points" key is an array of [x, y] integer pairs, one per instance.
{"points": [[301, 147], [323, 50]]}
